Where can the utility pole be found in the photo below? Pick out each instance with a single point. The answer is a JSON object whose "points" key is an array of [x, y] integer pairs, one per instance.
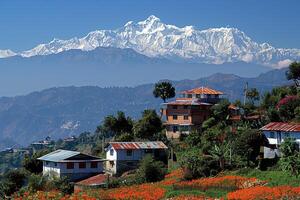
{"points": [[245, 92]]}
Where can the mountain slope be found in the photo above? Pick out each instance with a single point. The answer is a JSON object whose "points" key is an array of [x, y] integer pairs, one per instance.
{"points": [[153, 38], [63, 111], [103, 66]]}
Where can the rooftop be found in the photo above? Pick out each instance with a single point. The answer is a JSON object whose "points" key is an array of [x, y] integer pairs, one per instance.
{"points": [[99, 179], [202, 90], [138, 145], [281, 126], [186, 101], [62, 155]]}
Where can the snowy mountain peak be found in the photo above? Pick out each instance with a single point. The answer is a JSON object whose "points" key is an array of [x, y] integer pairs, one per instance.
{"points": [[6, 53], [154, 38]]}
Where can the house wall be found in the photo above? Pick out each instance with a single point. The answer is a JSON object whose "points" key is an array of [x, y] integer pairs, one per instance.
{"points": [[120, 162], [276, 138], [60, 169]]}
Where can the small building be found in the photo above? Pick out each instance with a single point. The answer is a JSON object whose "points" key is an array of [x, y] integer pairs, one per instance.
{"points": [[72, 164], [98, 181], [188, 112], [276, 132], [125, 156]]}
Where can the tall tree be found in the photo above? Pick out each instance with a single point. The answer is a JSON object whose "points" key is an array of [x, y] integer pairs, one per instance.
{"points": [[294, 73], [116, 125], [148, 126], [164, 90]]}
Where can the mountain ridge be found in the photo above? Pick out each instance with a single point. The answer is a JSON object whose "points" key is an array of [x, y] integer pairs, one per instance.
{"points": [[154, 38], [64, 111]]}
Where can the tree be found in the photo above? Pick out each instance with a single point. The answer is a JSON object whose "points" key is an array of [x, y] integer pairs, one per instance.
{"points": [[195, 164], [151, 170], [220, 110], [290, 160], [32, 164], [164, 90], [252, 95], [116, 125], [287, 107], [294, 73], [148, 126], [13, 180]]}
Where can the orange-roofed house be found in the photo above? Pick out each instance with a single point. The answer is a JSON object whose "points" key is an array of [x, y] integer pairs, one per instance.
{"points": [[188, 112]]}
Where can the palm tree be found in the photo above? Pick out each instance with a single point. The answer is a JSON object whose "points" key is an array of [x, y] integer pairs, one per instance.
{"points": [[164, 90]]}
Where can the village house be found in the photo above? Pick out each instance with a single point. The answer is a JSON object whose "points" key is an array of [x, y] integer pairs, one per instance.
{"points": [[75, 165], [276, 132], [188, 112], [124, 156]]}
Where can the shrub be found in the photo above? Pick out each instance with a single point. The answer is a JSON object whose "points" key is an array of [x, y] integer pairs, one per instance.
{"points": [[151, 170]]}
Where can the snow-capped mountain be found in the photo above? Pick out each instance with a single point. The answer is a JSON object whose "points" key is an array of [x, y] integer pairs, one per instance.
{"points": [[6, 53], [153, 38]]}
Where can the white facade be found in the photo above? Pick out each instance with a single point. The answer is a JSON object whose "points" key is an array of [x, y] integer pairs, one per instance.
{"points": [[72, 164], [120, 159], [275, 138]]}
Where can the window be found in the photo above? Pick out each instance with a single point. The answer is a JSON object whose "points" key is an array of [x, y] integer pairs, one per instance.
{"points": [[111, 152], [94, 164], [189, 96], [185, 107], [272, 135], [129, 152], [186, 117], [175, 129], [47, 163], [82, 165], [175, 117], [70, 165], [198, 96], [174, 106], [55, 164]]}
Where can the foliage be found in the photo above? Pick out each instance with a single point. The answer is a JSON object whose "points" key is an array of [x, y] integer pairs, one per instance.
{"points": [[290, 160], [164, 90], [36, 183], [149, 125], [294, 73], [247, 144], [252, 95], [197, 165], [220, 110], [287, 107], [150, 170], [32, 164], [116, 125], [13, 180]]}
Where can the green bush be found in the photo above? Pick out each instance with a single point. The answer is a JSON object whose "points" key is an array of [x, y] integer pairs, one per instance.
{"points": [[151, 170]]}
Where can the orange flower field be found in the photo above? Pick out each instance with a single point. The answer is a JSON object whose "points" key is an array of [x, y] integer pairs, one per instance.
{"points": [[239, 187]]}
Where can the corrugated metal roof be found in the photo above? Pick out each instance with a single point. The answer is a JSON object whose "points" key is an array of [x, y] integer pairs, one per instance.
{"points": [[202, 90], [61, 155], [138, 145], [281, 126], [99, 179]]}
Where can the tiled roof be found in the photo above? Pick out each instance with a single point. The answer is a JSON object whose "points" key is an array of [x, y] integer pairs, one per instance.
{"points": [[61, 155], [187, 102], [99, 179], [202, 90], [138, 145], [281, 126]]}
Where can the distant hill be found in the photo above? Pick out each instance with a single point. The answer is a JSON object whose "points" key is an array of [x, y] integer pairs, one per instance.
{"points": [[63, 111], [103, 66]]}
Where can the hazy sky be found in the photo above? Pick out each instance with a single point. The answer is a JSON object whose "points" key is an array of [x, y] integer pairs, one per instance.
{"points": [[26, 23]]}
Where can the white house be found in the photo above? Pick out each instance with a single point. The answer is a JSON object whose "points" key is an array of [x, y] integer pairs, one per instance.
{"points": [[276, 132], [73, 164], [124, 156]]}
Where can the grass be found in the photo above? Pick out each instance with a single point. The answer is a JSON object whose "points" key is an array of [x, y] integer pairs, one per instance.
{"points": [[273, 177]]}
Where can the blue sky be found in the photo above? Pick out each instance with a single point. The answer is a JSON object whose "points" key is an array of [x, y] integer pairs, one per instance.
{"points": [[25, 24]]}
